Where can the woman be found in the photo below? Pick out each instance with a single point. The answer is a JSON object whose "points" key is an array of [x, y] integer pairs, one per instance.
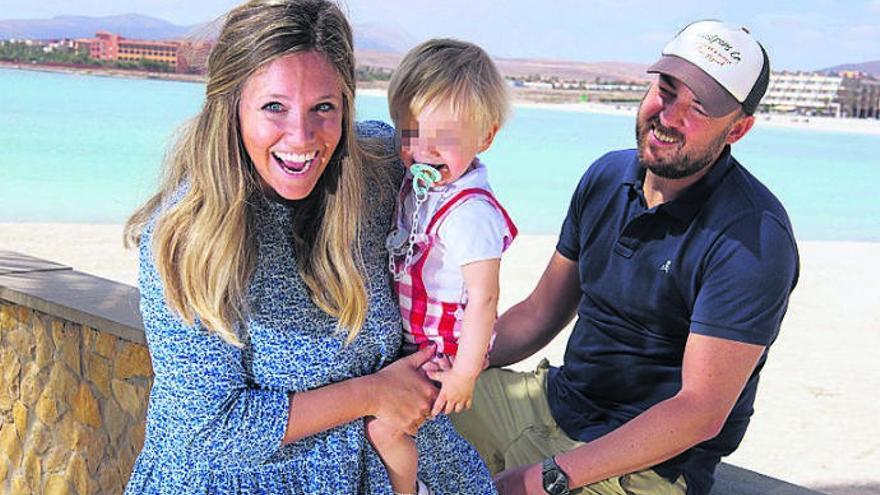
{"points": [[265, 296]]}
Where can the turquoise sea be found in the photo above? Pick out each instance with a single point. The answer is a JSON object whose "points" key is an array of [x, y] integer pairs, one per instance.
{"points": [[88, 149]]}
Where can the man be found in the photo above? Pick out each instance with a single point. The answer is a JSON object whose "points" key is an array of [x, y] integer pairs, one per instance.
{"points": [[678, 265]]}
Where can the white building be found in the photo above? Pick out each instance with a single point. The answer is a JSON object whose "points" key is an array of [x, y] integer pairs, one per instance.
{"points": [[847, 94]]}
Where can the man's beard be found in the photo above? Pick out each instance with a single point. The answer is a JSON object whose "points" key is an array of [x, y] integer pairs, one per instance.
{"points": [[681, 164]]}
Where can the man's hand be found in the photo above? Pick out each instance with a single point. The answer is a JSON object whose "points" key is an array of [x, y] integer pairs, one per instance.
{"points": [[522, 480]]}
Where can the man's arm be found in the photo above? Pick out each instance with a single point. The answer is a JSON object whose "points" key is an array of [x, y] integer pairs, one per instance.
{"points": [[714, 373], [529, 325]]}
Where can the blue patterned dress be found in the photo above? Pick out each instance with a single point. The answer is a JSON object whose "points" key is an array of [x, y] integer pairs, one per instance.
{"points": [[217, 414]]}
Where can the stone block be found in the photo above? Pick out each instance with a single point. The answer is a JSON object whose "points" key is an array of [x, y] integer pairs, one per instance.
{"points": [[109, 478], [19, 485], [89, 335], [136, 435], [131, 398], [47, 409], [97, 451], [7, 320], [77, 474], [57, 485], [105, 345], [20, 418], [24, 315], [22, 340], [114, 420], [10, 368], [67, 341], [85, 407], [55, 460], [33, 381], [62, 383], [44, 348], [32, 470], [10, 444], [97, 372], [132, 360], [39, 437], [76, 436]]}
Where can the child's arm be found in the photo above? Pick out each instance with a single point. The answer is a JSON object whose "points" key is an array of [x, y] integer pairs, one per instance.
{"points": [[481, 282]]}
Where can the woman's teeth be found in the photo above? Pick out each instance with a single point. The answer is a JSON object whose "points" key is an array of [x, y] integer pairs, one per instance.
{"points": [[294, 163]]}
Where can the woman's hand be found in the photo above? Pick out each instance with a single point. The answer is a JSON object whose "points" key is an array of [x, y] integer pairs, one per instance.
{"points": [[401, 394]]}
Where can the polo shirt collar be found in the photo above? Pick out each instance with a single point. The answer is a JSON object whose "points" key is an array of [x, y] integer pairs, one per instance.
{"points": [[689, 202]]}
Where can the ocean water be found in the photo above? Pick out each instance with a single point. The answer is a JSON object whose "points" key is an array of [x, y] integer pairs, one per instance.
{"points": [[77, 148]]}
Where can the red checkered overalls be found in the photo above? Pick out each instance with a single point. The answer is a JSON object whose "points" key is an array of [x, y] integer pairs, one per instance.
{"points": [[426, 319]]}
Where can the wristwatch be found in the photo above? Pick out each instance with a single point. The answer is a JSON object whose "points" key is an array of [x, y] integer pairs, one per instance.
{"points": [[554, 478]]}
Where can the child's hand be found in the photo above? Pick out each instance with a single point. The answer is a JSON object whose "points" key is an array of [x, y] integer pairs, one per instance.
{"points": [[456, 393]]}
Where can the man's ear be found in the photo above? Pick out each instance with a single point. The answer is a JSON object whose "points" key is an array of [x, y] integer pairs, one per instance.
{"points": [[740, 128], [490, 136]]}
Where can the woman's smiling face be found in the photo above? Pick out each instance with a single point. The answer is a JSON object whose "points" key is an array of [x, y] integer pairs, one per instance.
{"points": [[290, 116]]}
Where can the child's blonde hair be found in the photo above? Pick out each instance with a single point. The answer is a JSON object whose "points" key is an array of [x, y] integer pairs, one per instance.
{"points": [[452, 70]]}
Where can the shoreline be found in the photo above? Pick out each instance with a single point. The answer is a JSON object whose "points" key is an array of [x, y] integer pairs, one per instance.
{"points": [[820, 124], [811, 403]]}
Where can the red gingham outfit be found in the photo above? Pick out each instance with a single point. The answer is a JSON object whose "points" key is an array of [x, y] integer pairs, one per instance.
{"points": [[425, 318]]}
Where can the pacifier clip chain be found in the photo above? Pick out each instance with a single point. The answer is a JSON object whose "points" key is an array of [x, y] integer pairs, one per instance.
{"points": [[424, 176]]}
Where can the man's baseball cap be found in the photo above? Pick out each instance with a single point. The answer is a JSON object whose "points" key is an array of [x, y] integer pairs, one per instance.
{"points": [[724, 66]]}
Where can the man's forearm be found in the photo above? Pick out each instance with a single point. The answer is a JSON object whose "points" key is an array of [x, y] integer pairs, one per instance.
{"points": [[518, 336], [658, 434], [530, 325]]}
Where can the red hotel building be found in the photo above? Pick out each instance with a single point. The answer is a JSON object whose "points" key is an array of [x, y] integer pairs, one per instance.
{"points": [[109, 46]]}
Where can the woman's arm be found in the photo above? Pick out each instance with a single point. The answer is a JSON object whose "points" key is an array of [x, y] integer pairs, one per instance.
{"points": [[399, 394]]}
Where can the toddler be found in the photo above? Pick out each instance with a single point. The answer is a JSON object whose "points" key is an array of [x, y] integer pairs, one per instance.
{"points": [[447, 100]]}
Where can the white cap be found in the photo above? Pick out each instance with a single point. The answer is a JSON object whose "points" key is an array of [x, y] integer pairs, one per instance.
{"points": [[724, 66]]}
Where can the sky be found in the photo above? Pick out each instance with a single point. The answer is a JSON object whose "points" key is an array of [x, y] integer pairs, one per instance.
{"points": [[798, 34]]}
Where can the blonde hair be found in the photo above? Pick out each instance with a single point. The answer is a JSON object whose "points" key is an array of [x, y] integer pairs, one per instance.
{"points": [[204, 244], [455, 71]]}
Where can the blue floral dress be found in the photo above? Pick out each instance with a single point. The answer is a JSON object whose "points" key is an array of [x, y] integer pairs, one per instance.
{"points": [[217, 413]]}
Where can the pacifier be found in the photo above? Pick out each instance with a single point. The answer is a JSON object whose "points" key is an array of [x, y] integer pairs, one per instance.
{"points": [[424, 176]]}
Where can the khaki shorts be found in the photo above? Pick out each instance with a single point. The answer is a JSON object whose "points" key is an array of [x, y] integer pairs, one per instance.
{"points": [[510, 425]]}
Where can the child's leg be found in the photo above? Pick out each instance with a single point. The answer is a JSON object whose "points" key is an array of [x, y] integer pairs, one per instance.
{"points": [[397, 451]]}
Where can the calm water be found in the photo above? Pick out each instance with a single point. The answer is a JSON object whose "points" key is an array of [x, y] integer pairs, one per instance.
{"points": [[88, 149]]}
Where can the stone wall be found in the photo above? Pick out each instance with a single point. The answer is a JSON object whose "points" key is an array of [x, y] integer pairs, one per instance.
{"points": [[73, 397]]}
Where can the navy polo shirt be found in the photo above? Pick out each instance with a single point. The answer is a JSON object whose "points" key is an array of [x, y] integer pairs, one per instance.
{"points": [[719, 260]]}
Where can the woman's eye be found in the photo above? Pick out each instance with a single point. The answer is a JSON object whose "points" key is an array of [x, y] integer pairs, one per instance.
{"points": [[325, 107], [273, 107]]}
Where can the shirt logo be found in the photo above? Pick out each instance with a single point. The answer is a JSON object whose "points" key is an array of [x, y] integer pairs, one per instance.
{"points": [[665, 266]]}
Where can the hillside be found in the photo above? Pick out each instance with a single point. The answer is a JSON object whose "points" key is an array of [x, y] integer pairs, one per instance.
{"points": [[71, 26], [586, 71], [871, 67]]}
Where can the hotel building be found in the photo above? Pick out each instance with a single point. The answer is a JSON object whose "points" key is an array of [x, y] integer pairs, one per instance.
{"points": [[109, 46], [845, 94]]}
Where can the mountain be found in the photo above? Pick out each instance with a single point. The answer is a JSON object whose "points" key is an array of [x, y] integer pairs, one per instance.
{"points": [[872, 67], [380, 46], [71, 26], [366, 36], [382, 38]]}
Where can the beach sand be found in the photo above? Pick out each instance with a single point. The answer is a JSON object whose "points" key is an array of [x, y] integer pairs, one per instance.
{"points": [[815, 420]]}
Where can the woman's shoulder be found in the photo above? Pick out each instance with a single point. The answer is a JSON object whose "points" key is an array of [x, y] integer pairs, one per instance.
{"points": [[375, 129]]}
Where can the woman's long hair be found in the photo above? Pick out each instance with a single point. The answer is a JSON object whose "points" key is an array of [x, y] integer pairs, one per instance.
{"points": [[204, 243]]}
